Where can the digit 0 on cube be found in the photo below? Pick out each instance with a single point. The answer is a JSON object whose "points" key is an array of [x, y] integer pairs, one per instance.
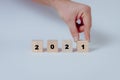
{"points": [[67, 46], [52, 46], [82, 46], [37, 46]]}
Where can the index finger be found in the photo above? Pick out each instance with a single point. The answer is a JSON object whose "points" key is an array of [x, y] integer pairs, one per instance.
{"points": [[87, 25]]}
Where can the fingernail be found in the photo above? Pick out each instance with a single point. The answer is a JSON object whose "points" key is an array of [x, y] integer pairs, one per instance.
{"points": [[76, 39]]}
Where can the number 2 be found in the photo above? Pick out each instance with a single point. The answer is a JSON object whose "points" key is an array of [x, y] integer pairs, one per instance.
{"points": [[36, 47], [66, 46]]}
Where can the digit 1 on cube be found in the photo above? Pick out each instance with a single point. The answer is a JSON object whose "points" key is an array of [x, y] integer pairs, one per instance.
{"points": [[82, 46]]}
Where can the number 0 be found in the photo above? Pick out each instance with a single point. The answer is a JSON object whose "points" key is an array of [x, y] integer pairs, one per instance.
{"points": [[52, 46]]}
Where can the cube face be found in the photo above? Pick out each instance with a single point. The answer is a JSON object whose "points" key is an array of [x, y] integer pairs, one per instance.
{"points": [[67, 46], [82, 46], [52, 46], [37, 46]]}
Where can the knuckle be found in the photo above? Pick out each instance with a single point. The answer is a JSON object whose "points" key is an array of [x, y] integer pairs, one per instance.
{"points": [[87, 8]]}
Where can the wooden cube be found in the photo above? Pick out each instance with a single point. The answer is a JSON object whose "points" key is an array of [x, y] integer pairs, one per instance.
{"points": [[37, 46], [82, 46], [67, 46], [52, 46]]}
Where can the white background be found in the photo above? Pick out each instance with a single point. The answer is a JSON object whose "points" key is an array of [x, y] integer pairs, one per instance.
{"points": [[22, 21]]}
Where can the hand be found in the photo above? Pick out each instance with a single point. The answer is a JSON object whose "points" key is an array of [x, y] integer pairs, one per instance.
{"points": [[70, 12]]}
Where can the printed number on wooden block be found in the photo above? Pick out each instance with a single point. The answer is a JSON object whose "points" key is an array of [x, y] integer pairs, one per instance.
{"points": [[52, 46], [82, 46], [67, 46], [37, 46]]}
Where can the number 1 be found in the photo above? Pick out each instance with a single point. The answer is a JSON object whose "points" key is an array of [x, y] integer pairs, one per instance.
{"points": [[83, 46]]}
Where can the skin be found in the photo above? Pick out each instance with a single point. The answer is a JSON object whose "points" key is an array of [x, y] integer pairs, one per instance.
{"points": [[70, 12]]}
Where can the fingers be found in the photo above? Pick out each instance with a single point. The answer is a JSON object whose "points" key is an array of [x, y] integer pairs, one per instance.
{"points": [[87, 24], [79, 25], [81, 29], [73, 30]]}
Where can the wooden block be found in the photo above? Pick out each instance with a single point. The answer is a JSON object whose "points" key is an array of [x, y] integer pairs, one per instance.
{"points": [[37, 46], [67, 46], [82, 46], [52, 46]]}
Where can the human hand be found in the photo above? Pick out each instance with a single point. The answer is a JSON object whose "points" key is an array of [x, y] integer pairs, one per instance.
{"points": [[70, 12]]}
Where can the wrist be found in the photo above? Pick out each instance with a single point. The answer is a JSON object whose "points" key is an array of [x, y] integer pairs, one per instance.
{"points": [[57, 3]]}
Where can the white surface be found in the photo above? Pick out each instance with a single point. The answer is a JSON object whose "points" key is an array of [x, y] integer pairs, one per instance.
{"points": [[22, 21]]}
